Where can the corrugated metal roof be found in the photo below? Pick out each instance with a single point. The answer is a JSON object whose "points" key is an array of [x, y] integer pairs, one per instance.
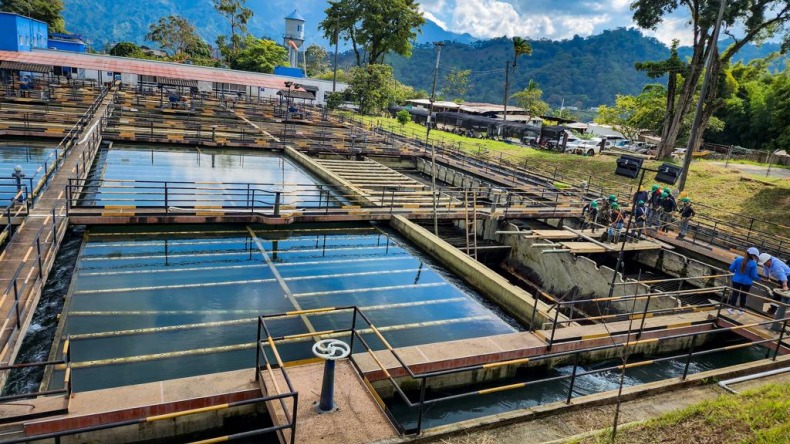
{"points": [[21, 66], [296, 94], [144, 67], [177, 82]]}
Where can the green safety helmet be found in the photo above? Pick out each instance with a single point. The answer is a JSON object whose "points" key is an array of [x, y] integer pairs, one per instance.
{"points": [[594, 204], [668, 191], [664, 195], [615, 206], [612, 198], [655, 188], [685, 199], [641, 202]]}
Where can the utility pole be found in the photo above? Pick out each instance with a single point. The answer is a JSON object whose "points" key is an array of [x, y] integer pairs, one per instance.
{"points": [[507, 88], [428, 133], [337, 41], [695, 127]]}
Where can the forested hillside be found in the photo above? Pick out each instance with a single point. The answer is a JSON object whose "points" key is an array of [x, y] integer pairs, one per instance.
{"points": [[585, 72]]}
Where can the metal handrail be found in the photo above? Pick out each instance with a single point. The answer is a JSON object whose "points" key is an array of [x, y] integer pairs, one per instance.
{"points": [[422, 402], [168, 416]]}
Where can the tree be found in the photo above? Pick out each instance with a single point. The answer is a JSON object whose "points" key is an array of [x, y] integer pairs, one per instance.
{"points": [[403, 117], [316, 60], [373, 88], [48, 11], [632, 115], [531, 100], [520, 47], [259, 55], [125, 49], [374, 27], [238, 15], [757, 20], [174, 35], [456, 84]]}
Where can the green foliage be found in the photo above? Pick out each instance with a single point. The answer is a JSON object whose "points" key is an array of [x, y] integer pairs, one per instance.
{"points": [[238, 15], [456, 84], [343, 76], [374, 27], [174, 34], [259, 55], [403, 117], [373, 88], [125, 49], [317, 60], [48, 11], [334, 99], [633, 114], [531, 99], [583, 71], [755, 115]]}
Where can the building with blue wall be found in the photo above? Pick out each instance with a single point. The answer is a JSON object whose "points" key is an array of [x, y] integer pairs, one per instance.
{"points": [[18, 33], [66, 42]]}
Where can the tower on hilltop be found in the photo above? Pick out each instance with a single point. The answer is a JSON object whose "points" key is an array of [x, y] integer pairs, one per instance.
{"points": [[294, 36]]}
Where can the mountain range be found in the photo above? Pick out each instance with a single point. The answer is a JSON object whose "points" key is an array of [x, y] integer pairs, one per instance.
{"points": [[579, 72], [109, 22]]}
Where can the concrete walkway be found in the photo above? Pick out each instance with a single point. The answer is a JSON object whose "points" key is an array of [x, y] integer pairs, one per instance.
{"points": [[777, 172], [32, 250]]}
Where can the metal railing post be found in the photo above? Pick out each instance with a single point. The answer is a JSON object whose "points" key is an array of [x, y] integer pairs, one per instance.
{"points": [[353, 331], [688, 358], [16, 305], [554, 326], [38, 250], [277, 204], [573, 377], [258, 353], [167, 200], [422, 406], [779, 341]]}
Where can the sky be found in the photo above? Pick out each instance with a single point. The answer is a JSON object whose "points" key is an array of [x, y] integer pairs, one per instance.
{"points": [[551, 19]]}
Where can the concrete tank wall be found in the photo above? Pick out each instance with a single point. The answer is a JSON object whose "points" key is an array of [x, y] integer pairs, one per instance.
{"points": [[516, 301], [559, 273]]}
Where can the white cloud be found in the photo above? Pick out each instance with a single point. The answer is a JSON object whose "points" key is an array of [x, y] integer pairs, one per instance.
{"points": [[543, 18]]}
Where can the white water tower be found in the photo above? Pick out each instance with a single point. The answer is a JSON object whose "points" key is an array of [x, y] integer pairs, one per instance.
{"points": [[294, 36]]}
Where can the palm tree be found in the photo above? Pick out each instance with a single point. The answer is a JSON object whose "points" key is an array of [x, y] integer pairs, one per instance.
{"points": [[520, 47]]}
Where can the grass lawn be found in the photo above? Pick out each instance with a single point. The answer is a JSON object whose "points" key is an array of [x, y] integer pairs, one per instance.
{"points": [[723, 193], [757, 416]]}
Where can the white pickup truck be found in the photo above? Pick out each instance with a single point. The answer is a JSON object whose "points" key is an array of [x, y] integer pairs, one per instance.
{"points": [[589, 147]]}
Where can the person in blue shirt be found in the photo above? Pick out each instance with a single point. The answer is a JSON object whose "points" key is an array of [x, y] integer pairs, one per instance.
{"points": [[777, 270], [745, 273]]}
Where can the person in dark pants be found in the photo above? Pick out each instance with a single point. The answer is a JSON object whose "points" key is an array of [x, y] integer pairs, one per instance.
{"points": [[686, 213], [745, 273], [640, 216], [18, 175], [668, 206], [590, 212]]}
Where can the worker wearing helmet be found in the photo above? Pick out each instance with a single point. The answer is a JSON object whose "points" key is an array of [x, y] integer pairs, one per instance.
{"points": [[590, 213], [686, 213], [668, 206], [778, 271], [617, 223], [640, 216], [654, 204], [640, 195]]}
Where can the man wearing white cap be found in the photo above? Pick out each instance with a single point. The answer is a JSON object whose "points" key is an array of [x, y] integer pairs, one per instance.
{"points": [[777, 270]]}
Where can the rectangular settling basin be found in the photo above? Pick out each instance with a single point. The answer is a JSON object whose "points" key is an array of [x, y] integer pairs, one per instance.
{"points": [[137, 175], [31, 157], [154, 303]]}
